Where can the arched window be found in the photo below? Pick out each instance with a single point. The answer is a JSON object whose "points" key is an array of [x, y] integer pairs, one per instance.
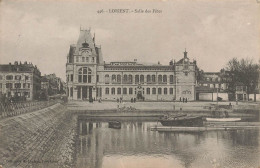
{"points": [[113, 78], [154, 90], [130, 90], [153, 78], [113, 91], [118, 78], [159, 78], [171, 79], [118, 90], [164, 78], [136, 79], [124, 90], [71, 92], [165, 91], [148, 78], [159, 90], [107, 91], [125, 79], [84, 75], [130, 78], [148, 91], [141, 78], [106, 79], [171, 90]]}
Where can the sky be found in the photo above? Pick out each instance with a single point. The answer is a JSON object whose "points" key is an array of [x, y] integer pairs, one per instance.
{"points": [[212, 31]]}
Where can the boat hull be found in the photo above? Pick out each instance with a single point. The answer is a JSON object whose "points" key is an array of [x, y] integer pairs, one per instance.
{"points": [[188, 122], [223, 119]]}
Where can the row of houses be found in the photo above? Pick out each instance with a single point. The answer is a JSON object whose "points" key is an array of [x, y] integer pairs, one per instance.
{"points": [[23, 81]]}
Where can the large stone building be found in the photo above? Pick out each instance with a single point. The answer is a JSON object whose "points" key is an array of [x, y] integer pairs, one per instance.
{"points": [[20, 80], [88, 76]]}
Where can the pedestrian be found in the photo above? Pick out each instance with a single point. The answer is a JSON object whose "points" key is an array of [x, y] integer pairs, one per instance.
{"points": [[186, 99], [180, 99], [134, 100], [183, 100], [117, 100]]}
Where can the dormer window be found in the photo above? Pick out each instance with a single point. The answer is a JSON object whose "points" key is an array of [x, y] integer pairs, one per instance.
{"points": [[85, 44]]}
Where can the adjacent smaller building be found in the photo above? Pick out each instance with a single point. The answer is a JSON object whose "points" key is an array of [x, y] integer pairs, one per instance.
{"points": [[20, 80], [52, 85]]}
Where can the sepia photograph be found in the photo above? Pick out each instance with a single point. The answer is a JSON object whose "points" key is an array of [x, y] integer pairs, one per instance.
{"points": [[129, 84]]}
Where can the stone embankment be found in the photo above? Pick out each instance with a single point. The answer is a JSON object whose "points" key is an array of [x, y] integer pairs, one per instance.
{"points": [[43, 138]]}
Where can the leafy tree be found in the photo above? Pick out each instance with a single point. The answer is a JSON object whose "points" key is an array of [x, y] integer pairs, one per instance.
{"points": [[244, 71]]}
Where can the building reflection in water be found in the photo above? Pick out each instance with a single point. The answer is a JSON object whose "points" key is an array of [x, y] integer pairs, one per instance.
{"points": [[132, 145]]}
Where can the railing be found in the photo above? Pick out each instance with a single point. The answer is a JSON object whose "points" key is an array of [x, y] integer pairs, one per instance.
{"points": [[17, 108]]}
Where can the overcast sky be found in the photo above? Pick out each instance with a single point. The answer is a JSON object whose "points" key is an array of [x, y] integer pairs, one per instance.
{"points": [[212, 31]]}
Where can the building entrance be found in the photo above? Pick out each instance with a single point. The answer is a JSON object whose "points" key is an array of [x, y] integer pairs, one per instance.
{"points": [[139, 95]]}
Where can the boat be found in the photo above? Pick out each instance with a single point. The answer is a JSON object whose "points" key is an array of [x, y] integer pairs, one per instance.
{"points": [[182, 120], [223, 119], [114, 124]]}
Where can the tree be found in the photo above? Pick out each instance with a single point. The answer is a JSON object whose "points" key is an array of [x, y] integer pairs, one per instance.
{"points": [[244, 71]]}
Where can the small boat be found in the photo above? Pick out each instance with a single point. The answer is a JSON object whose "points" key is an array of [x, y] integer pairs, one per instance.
{"points": [[114, 124], [182, 120], [223, 119]]}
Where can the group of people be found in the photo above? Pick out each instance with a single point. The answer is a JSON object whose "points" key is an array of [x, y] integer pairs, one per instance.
{"points": [[184, 100]]}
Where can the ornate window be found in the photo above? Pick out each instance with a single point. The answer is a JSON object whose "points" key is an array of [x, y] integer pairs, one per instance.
{"points": [[125, 79], [165, 91], [153, 78], [148, 91], [141, 78], [136, 78], [154, 90], [113, 78], [84, 75], [118, 78], [113, 91], [118, 90], [159, 90], [124, 90], [9, 77], [107, 91], [106, 79], [130, 90], [148, 78], [159, 78], [130, 78], [165, 78]]}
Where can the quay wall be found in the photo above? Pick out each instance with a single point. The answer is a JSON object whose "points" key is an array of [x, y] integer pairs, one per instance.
{"points": [[43, 138]]}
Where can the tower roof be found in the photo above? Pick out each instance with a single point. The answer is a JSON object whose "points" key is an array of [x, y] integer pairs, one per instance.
{"points": [[85, 39]]}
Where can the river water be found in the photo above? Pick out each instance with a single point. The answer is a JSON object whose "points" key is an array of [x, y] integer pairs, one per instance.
{"points": [[135, 146]]}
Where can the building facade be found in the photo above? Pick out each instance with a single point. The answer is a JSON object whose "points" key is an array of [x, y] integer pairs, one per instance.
{"points": [[89, 77], [20, 80]]}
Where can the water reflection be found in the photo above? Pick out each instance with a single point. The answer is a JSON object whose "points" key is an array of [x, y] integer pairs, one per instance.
{"points": [[135, 146]]}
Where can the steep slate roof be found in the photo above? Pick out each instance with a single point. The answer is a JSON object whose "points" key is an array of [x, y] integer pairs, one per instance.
{"points": [[16, 68], [85, 36]]}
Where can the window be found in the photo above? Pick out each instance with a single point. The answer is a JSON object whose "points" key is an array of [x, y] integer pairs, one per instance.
{"points": [[125, 79], [171, 79], [26, 77], [97, 78], [9, 77], [141, 78], [113, 78], [106, 79], [83, 59], [84, 75], [9, 85], [148, 78], [130, 78], [165, 78], [159, 78], [107, 91], [118, 90], [165, 91], [77, 59], [124, 90], [171, 90], [87, 59], [71, 77], [154, 90], [130, 90], [153, 78], [113, 91], [28, 84], [17, 85], [159, 90], [93, 59], [18, 77], [136, 79], [118, 78], [71, 92], [148, 91]]}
